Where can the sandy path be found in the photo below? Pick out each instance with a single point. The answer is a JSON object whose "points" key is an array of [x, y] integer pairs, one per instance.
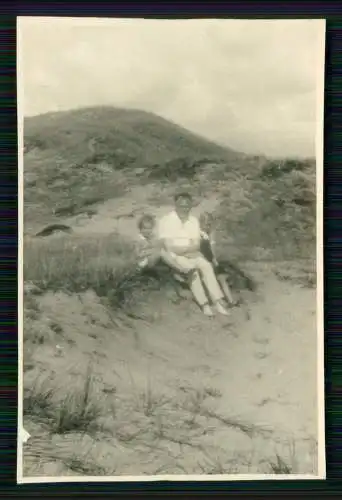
{"points": [[264, 367]]}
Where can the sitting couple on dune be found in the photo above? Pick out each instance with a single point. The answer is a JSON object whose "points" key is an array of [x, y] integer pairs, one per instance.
{"points": [[180, 242]]}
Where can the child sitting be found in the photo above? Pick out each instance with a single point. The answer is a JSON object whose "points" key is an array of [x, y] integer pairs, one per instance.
{"points": [[150, 248], [152, 251]]}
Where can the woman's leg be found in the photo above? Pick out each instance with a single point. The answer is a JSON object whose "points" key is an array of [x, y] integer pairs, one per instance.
{"points": [[180, 264], [196, 286], [225, 288], [187, 268], [208, 275]]}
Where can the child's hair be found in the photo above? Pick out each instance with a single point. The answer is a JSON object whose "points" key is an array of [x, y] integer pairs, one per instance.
{"points": [[146, 219]]}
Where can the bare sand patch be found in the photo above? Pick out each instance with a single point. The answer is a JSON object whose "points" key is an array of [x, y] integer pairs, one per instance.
{"points": [[176, 393]]}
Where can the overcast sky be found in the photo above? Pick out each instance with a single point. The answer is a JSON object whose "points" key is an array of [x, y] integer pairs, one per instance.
{"points": [[251, 85]]}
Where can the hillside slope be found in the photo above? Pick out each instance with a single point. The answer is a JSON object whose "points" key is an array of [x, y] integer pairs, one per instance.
{"points": [[77, 158], [76, 161], [116, 134]]}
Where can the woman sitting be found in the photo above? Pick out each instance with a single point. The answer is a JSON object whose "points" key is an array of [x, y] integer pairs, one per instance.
{"points": [[154, 257]]}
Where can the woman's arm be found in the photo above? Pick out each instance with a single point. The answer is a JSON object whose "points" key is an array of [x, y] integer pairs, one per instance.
{"points": [[171, 261], [191, 246]]}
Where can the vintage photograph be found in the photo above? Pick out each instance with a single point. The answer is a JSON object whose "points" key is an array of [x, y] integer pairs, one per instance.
{"points": [[170, 249]]}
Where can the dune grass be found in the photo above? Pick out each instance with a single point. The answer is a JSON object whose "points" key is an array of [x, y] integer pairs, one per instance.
{"points": [[76, 263], [67, 404], [108, 265], [143, 420]]}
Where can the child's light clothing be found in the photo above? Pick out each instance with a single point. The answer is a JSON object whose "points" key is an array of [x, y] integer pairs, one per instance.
{"points": [[150, 250]]}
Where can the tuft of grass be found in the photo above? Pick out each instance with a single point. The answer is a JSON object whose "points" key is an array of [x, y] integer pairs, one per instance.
{"points": [[77, 458], [85, 467], [37, 398], [79, 410], [149, 401], [290, 465], [279, 466], [66, 408], [247, 428], [194, 404], [302, 273], [35, 332], [216, 466]]}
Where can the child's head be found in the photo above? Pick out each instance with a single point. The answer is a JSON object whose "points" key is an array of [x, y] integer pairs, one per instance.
{"points": [[207, 221], [146, 225]]}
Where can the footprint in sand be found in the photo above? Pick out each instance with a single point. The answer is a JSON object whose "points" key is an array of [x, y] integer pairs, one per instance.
{"points": [[261, 340], [265, 401], [261, 355], [233, 333]]}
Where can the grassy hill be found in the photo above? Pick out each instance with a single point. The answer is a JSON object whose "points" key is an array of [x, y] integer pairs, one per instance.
{"points": [[106, 133], [76, 160]]}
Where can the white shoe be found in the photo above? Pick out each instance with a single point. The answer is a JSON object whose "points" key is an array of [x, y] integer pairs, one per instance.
{"points": [[207, 310], [221, 309]]}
